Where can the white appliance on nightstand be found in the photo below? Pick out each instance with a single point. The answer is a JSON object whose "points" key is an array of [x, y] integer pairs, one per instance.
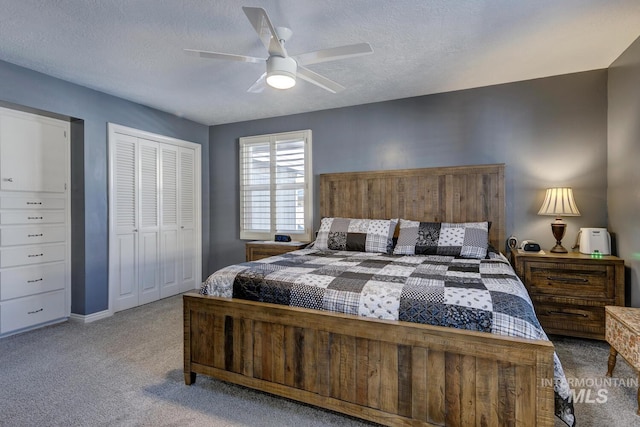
{"points": [[594, 241]]}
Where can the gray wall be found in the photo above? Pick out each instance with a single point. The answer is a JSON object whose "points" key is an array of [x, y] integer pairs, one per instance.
{"points": [[548, 132], [89, 166], [624, 162]]}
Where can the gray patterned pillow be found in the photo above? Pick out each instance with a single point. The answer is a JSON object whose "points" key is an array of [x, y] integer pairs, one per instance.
{"points": [[464, 239], [363, 235]]}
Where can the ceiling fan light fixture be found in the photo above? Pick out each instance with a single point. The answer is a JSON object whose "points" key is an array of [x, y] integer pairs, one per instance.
{"points": [[281, 72], [282, 69]]}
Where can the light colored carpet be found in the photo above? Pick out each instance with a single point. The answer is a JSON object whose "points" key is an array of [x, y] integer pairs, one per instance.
{"points": [[127, 371], [600, 401]]}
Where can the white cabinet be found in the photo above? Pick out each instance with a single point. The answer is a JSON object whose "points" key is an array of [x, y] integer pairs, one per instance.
{"points": [[153, 199], [33, 152], [34, 221]]}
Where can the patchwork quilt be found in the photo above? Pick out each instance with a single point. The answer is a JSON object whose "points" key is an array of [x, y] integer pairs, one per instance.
{"points": [[474, 294]]}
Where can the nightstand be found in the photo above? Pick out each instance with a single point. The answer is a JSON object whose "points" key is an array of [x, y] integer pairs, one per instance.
{"points": [[266, 248], [569, 291]]}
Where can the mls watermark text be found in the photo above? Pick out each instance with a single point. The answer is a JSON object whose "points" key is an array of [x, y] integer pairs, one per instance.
{"points": [[593, 390]]}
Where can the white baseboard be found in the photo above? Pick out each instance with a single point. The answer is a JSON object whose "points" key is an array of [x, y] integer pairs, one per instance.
{"points": [[88, 318]]}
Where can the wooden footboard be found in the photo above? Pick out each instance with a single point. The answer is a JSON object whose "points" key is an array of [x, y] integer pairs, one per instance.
{"points": [[393, 373]]}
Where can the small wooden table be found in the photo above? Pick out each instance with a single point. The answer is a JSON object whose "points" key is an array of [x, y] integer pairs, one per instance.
{"points": [[622, 331]]}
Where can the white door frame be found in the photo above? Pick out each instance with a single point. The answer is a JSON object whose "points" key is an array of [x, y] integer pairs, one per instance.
{"points": [[114, 129]]}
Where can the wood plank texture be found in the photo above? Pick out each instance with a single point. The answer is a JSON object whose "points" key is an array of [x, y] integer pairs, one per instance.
{"points": [[390, 372], [447, 194], [419, 391]]}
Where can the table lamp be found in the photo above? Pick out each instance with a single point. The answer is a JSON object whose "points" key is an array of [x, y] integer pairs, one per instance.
{"points": [[559, 202]]}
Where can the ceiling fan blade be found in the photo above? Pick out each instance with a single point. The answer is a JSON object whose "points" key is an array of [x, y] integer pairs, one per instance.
{"points": [[259, 85], [224, 56], [318, 80], [333, 54], [265, 29]]}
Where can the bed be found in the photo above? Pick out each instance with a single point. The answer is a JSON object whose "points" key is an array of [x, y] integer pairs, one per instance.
{"points": [[386, 369]]}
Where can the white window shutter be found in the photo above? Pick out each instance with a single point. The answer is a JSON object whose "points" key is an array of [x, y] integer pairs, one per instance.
{"points": [[289, 185], [275, 186], [255, 187]]}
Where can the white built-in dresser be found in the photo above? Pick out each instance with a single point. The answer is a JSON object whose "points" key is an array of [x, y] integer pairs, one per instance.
{"points": [[35, 283]]}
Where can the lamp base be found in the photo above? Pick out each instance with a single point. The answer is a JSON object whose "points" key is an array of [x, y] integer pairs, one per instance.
{"points": [[558, 228], [559, 249]]}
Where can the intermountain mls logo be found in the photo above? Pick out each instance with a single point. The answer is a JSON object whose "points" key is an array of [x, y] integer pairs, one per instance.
{"points": [[595, 390]]}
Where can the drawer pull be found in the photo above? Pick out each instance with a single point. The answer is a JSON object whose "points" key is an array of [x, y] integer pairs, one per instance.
{"points": [[34, 255], [8, 179], [35, 280], [568, 279], [35, 311], [35, 235], [34, 217], [562, 313], [34, 203]]}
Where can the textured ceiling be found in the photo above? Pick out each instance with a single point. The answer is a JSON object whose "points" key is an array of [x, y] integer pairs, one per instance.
{"points": [[134, 48]]}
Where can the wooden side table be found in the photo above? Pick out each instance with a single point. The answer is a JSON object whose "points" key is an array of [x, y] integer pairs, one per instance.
{"points": [[569, 291], [266, 248], [623, 334]]}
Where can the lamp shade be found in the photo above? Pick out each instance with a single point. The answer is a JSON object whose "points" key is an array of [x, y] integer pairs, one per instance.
{"points": [[559, 202]]}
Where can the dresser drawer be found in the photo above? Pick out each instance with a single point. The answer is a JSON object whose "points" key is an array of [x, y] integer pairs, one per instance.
{"points": [[23, 281], [31, 255], [34, 217], [588, 280], [28, 311], [574, 320], [32, 235], [31, 203]]}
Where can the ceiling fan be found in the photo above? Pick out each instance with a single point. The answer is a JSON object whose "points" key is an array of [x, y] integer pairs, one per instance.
{"points": [[282, 69]]}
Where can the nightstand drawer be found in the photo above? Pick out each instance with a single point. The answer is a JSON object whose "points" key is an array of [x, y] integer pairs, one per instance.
{"points": [[576, 320], [588, 280]]}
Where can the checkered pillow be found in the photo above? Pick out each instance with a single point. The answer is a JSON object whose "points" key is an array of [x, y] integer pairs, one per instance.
{"points": [[465, 239], [363, 235]]}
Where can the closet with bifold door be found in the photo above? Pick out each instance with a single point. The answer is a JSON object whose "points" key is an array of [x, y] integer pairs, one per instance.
{"points": [[154, 217]]}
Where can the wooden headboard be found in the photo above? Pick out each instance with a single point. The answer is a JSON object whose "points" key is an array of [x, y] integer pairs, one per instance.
{"points": [[445, 194]]}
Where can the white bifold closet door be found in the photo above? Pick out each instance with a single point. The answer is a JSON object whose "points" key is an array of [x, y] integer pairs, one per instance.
{"points": [[177, 220], [153, 242]]}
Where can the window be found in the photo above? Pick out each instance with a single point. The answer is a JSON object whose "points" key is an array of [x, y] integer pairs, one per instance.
{"points": [[276, 186]]}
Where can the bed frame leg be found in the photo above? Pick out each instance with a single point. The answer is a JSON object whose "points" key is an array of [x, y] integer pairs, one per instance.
{"points": [[189, 378]]}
